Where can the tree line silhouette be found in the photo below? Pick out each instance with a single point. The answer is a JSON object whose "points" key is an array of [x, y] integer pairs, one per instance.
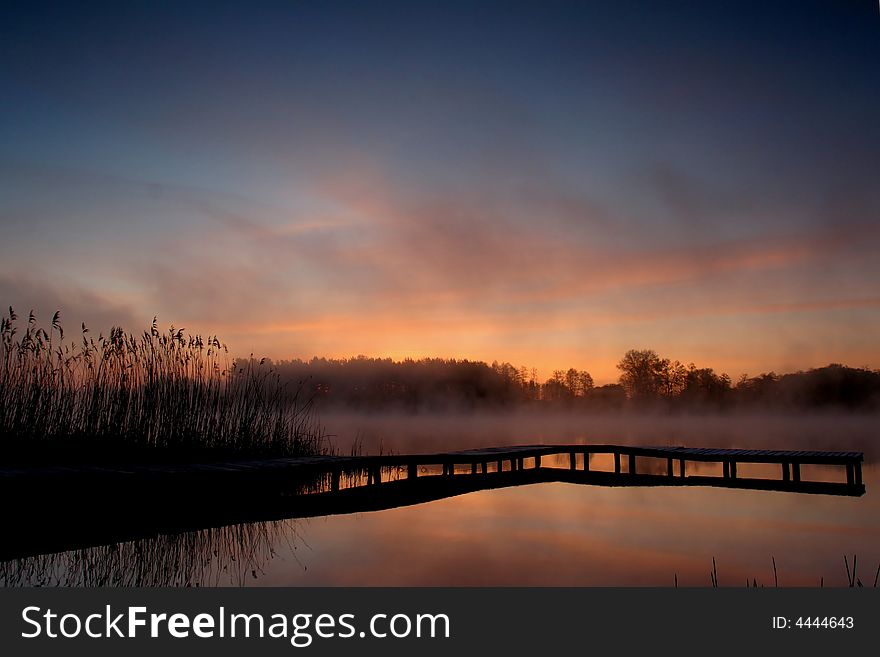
{"points": [[646, 381]]}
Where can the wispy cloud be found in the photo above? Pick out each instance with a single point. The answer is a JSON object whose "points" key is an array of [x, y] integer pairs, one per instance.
{"points": [[513, 271]]}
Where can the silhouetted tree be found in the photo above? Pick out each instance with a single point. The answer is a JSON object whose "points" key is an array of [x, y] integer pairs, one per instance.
{"points": [[609, 397], [447, 384], [702, 386], [643, 374]]}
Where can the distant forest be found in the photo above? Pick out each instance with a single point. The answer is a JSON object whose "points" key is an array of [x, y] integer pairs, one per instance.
{"points": [[646, 381]]}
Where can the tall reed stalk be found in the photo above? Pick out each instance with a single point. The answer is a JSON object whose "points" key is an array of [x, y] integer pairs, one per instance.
{"points": [[154, 395]]}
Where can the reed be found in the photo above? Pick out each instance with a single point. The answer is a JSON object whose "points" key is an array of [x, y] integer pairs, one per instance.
{"points": [[154, 396], [233, 555]]}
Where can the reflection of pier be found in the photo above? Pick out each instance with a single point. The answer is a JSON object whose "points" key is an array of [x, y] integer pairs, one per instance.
{"points": [[55, 509]]}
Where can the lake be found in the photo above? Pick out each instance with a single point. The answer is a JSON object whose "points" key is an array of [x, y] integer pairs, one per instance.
{"points": [[549, 534]]}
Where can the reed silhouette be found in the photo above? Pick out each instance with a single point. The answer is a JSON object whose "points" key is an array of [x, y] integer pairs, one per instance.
{"points": [[155, 396], [172, 395]]}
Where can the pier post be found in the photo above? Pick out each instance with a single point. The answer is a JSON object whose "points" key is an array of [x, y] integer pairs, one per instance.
{"points": [[786, 476], [484, 467], [733, 469], [586, 461], [334, 480], [572, 460], [632, 464], [850, 474], [858, 469], [537, 461], [412, 471], [725, 469], [616, 462], [681, 468], [474, 467], [669, 472], [796, 471], [500, 466]]}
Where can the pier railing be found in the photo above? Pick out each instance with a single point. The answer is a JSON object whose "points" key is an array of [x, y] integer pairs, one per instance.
{"points": [[59, 508]]}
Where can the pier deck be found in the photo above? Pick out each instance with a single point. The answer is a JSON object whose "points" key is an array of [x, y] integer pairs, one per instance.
{"points": [[481, 461], [53, 509]]}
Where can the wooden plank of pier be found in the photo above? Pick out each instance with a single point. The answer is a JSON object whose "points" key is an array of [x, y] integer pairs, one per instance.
{"points": [[472, 458], [192, 495], [63, 528]]}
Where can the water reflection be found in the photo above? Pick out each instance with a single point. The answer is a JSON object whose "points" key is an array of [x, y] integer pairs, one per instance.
{"points": [[541, 534], [216, 556], [562, 535]]}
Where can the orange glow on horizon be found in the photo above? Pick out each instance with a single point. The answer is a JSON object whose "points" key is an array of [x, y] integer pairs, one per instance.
{"points": [[585, 341]]}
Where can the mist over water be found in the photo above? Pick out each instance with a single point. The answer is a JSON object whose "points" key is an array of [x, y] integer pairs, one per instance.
{"points": [[434, 432]]}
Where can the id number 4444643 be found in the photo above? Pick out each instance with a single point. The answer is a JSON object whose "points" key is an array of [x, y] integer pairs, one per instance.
{"points": [[814, 622]]}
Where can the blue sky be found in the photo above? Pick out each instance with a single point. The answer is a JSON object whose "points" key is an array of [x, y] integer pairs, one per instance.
{"points": [[549, 183]]}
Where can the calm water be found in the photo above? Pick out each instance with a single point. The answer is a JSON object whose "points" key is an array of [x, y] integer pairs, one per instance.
{"points": [[544, 534]]}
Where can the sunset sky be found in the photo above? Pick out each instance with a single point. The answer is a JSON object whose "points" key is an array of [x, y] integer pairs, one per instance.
{"points": [[548, 183]]}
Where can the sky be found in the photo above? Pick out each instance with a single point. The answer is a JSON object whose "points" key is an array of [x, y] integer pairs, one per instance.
{"points": [[548, 183]]}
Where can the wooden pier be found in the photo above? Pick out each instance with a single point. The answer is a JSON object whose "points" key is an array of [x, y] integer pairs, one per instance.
{"points": [[52, 509], [676, 459]]}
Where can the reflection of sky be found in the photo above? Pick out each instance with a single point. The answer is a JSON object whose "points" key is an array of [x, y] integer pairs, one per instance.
{"points": [[562, 534], [550, 185], [566, 534]]}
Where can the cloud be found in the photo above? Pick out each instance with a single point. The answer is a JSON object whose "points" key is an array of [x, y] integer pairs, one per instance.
{"points": [[522, 271], [77, 305]]}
